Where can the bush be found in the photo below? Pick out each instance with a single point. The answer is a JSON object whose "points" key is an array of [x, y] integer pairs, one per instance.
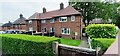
{"points": [[27, 44], [103, 43], [101, 30]]}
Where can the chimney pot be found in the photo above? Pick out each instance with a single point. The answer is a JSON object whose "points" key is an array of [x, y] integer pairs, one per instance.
{"points": [[61, 6], [21, 16], [44, 10]]}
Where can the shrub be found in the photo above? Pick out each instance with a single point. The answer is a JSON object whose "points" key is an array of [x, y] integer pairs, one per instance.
{"points": [[103, 43], [101, 30], [27, 44]]}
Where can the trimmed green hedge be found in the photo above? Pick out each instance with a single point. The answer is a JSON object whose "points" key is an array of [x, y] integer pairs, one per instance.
{"points": [[104, 43], [30, 44], [27, 44], [101, 30]]}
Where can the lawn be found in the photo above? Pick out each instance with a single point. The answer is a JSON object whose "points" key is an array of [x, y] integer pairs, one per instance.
{"points": [[42, 39], [70, 42]]}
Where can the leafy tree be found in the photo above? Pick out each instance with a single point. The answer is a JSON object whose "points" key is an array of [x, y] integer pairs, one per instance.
{"points": [[91, 10]]}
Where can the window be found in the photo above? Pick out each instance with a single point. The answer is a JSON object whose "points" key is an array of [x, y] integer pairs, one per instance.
{"points": [[43, 21], [44, 29], [30, 28], [30, 21], [52, 29], [72, 18], [65, 31], [63, 19], [52, 20]]}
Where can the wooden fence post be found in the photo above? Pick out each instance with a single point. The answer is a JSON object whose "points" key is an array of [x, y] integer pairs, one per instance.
{"points": [[97, 51], [55, 48]]}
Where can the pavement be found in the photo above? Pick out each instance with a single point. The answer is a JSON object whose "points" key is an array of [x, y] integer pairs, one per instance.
{"points": [[114, 49], [84, 42]]}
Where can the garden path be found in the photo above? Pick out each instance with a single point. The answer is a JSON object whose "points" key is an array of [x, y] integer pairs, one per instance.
{"points": [[84, 42]]}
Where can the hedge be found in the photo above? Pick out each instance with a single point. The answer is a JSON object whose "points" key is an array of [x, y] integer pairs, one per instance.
{"points": [[27, 44], [30, 44], [103, 43], [101, 30]]}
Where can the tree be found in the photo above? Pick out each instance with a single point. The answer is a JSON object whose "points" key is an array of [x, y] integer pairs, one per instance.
{"points": [[92, 10]]}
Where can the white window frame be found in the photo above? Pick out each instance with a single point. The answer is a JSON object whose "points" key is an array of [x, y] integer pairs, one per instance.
{"points": [[62, 18], [52, 29], [30, 28], [30, 21], [72, 18], [52, 20], [43, 21], [66, 32]]}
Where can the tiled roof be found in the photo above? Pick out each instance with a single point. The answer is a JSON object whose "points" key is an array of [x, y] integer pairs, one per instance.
{"points": [[66, 11], [20, 20], [7, 24]]}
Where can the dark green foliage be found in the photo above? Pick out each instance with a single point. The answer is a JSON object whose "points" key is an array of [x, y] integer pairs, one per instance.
{"points": [[101, 31], [19, 46], [103, 43], [92, 10]]}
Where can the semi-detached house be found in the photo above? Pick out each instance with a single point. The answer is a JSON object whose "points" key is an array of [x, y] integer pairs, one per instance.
{"points": [[64, 22]]}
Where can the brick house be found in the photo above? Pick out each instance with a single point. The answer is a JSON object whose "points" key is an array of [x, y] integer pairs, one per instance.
{"points": [[7, 26], [64, 22], [20, 23]]}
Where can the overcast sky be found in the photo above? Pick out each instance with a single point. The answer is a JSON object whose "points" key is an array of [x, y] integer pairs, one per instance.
{"points": [[10, 9]]}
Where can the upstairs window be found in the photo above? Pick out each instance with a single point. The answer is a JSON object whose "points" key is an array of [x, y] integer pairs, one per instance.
{"points": [[43, 21], [72, 18], [52, 20], [65, 31], [30, 21], [63, 19]]}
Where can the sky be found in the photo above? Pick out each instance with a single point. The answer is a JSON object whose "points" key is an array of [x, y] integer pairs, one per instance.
{"points": [[11, 9]]}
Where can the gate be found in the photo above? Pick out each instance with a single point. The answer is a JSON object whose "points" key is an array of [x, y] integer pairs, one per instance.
{"points": [[65, 50]]}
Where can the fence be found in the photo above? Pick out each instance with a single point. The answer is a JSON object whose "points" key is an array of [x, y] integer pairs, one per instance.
{"points": [[65, 50]]}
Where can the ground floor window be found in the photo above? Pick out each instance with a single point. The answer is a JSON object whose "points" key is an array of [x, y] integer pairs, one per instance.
{"points": [[44, 29], [65, 31], [52, 29], [30, 28]]}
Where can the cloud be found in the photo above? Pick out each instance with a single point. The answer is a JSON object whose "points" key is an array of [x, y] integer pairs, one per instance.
{"points": [[12, 8]]}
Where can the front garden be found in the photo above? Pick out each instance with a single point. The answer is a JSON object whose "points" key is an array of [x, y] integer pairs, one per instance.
{"points": [[30, 44], [102, 35]]}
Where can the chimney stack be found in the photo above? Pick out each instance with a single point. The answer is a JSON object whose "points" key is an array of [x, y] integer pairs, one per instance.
{"points": [[21, 16], [61, 6], [44, 10], [9, 22]]}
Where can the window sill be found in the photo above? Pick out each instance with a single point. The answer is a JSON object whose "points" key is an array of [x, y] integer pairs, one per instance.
{"points": [[65, 34]]}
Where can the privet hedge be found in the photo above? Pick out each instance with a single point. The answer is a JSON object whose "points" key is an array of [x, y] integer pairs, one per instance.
{"points": [[16, 44], [101, 30], [104, 43]]}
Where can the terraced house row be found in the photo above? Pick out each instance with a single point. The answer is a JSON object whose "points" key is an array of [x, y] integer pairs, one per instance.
{"points": [[64, 22]]}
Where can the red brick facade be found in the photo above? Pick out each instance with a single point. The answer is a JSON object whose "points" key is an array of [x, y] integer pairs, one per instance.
{"points": [[75, 26], [67, 22], [19, 27]]}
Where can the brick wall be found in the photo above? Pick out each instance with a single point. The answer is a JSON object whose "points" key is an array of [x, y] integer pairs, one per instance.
{"points": [[75, 26]]}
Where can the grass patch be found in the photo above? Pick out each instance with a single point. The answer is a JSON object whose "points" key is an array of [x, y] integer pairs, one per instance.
{"points": [[70, 42], [42, 39]]}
